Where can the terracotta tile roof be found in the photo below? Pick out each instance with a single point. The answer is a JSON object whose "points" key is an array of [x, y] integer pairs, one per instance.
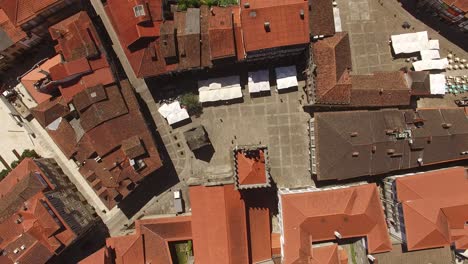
{"points": [[76, 37], [227, 237], [103, 110], [221, 33], [314, 216], [461, 4], [368, 145], [13, 33], [149, 244], [26, 216], [188, 38], [101, 256], [380, 89], [133, 148], [287, 26], [49, 111], [330, 254], [260, 203], [251, 168], [109, 117], [435, 207], [85, 64], [321, 21], [21, 11], [333, 59], [37, 74]]}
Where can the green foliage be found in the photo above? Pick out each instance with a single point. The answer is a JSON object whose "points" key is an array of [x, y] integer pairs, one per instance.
{"points": [[29, 153], [14, 164], [3, 174], [184, 4], [190, 101]]}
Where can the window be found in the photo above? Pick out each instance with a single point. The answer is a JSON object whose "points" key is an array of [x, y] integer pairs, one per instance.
{"points": [[139, 10]]}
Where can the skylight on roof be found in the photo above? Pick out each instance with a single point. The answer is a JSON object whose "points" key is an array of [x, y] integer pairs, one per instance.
{"points": [[139, 10]]}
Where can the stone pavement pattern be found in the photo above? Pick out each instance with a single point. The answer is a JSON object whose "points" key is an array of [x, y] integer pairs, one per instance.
{"points": [[276, 121], [370, 23]]}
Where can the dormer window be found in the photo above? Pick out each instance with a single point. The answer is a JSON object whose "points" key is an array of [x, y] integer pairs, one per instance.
{"points": [[139, 10]]}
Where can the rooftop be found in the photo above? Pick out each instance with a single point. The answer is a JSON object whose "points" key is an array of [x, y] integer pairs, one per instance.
{"points": [[28, 218], [434, 208], [336, 86], [251, 167], [271, 24], [99, 140], [377, 142], [21, 11], [315, 216]]}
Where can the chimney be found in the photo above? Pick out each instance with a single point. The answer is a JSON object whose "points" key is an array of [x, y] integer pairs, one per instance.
{"points": [[267, 26], [356, 154], [446, 125], [247, 5], [353, 134]]}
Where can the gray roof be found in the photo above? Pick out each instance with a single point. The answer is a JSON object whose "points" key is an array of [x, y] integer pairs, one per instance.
{"points": [[363, 143], [5, 40], [196, 138]]}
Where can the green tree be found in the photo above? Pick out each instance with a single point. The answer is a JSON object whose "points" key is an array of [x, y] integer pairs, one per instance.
{"points": [[3, 174], [190, 101], [29, 153]]}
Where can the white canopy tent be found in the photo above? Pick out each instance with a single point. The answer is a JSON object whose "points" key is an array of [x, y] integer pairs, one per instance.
{"points": [[437, 83], [286, 77], [166, 109], [219, 89], [434, 44], [178, 116], [259, 81], [173, 112], [430, 54], [410, 42], [425, 65]]}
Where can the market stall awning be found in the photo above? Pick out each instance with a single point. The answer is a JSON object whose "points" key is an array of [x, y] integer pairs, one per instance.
{"points": [[410, 42], [437, 83], [219, 89], [173, 112], [426, 65], [430, 54], [259, 81], [286, 77]]}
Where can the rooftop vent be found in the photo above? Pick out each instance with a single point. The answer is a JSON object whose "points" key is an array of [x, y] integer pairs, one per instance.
{"points": [[338, 235], [139, 10], [267, 26], [16, 250], [247, 5], [390, 151], [353, 134], [374, 149], [356, 154], [23, 247], [252, 14]]}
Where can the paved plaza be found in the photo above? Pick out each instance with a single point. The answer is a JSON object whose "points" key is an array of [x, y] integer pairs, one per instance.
{"points": [[277, 121], [370, 23]]}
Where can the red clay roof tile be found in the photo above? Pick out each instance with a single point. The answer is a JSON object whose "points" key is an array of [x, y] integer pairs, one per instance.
{"points": [[314, 216]]}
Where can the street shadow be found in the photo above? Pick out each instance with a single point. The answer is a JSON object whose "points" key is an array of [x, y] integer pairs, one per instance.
{"points": [[155, 183], [445, 29], [205, 153], [91, 242]]}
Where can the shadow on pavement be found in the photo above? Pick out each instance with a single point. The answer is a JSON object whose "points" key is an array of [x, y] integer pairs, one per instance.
{"points": [[155, 183], [94, 240], [450, 32]]}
